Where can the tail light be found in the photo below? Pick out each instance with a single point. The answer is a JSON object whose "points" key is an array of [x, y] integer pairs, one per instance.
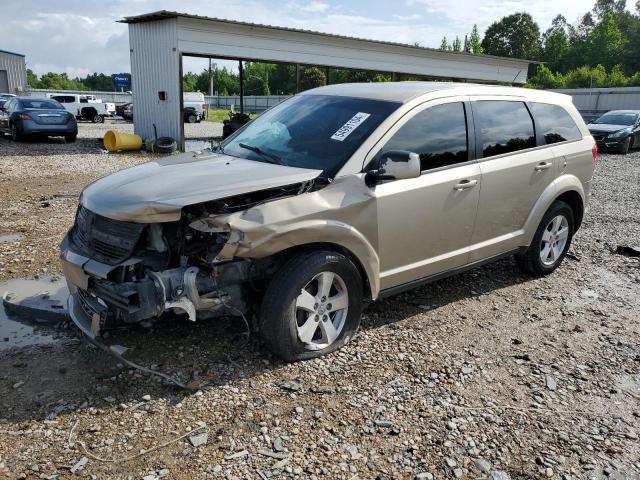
{"points": [[594, 152], [204, 107], [24, 116], [72, 118]]}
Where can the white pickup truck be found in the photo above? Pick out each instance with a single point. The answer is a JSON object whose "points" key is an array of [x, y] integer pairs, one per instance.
{"points": [[86, 107]]}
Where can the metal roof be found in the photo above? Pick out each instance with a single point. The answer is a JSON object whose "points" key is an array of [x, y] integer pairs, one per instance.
{"points": [[12, 53], [166, 14]]}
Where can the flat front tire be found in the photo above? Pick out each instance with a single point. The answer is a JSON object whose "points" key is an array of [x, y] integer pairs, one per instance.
{"points": [[312, 306], [550, 242]]}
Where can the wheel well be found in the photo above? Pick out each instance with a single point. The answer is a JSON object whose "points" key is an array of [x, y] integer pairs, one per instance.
{"points": [[332, 247], [86, 110], [574, 200]]}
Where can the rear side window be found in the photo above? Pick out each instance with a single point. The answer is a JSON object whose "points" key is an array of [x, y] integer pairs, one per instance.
{"points": [[504, 127], [555, 123], [438, 134]]}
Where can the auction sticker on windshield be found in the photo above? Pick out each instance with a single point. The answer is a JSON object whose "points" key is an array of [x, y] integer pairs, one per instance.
{"points": [[345, 130]]}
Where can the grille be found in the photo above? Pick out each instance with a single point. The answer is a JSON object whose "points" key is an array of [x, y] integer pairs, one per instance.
{"points": [[106, 240]]}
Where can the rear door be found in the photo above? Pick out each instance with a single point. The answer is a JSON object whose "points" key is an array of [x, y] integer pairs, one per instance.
{"points": [[515, 172], [425, 224]]}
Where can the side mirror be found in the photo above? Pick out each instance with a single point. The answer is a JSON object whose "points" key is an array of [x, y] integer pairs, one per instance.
{"points": [[394, 165]]}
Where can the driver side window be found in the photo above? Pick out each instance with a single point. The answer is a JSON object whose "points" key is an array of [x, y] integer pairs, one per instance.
{"points": [[437, 134]]}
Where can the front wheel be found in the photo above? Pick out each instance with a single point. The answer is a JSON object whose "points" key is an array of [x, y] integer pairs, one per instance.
{"points": [[626, 146], [312, 306], [550, 242]]}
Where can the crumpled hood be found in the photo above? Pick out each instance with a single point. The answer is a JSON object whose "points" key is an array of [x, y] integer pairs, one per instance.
{"points": [[156, 191], [605, 128]]}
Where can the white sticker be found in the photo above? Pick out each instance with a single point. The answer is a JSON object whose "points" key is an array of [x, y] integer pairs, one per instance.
{"points": [[345, 130]]}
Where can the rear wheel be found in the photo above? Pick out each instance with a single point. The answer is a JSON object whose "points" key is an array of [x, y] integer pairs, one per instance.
{"points": [[312, 306], [15, 135], [97, 118], [550, 242], [192, 118]]}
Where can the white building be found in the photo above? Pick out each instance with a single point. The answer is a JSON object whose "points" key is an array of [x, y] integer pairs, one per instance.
{"points": [[13, 73], [159, 40]]}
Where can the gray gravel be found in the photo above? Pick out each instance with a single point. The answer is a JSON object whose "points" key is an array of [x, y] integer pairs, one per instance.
{"points": [[191, 130], [490, 374]]}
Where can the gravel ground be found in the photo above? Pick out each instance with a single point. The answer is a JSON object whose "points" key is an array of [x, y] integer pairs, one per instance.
{"points": [[489, 374], [191, 130]]}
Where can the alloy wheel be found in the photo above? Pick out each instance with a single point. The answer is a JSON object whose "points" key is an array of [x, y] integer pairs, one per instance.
{"points": [[321, 310], [554, 240]]}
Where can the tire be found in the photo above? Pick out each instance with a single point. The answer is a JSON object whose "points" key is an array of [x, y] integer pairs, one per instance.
{"points": [[298, 283], [192, 119], [70, 138], [97, 118], [15, 135], [551, 229], [165, 145], [626, 146]]}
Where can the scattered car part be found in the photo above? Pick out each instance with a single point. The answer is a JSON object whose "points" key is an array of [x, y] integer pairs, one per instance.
{"points": [[235, 122]]}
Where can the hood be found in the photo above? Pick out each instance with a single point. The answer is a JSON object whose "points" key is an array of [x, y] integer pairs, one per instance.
{"points": [[605, 127], [157, 191]]}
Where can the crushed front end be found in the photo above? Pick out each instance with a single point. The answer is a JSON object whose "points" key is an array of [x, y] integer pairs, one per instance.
{"points": [[122, 272]]}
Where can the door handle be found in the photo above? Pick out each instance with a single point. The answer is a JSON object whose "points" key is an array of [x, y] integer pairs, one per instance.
{"points": [[542, 166], [465, 184]]}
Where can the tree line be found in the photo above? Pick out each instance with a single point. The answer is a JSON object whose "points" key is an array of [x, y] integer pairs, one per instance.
{"points": [[601, 50], [61, 81]]}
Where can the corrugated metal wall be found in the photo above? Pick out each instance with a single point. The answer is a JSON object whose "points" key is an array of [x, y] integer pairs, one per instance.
{"points": [[593, 102], [155, 66], [16, 72]]}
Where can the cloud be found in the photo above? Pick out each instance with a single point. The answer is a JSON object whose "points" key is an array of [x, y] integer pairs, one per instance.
{"points": [[315, 7], [406, 18]]}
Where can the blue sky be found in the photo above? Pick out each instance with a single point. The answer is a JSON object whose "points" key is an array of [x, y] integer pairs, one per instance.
{"points": [[82, 36]]}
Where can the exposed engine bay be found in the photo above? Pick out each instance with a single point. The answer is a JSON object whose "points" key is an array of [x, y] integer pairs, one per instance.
{"points": [[134, 271]]}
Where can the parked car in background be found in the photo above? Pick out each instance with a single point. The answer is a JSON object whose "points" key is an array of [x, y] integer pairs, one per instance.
{"points": [[617, 130], [23, 116], [191, 115], [86, 107], [337, 196], [4, 97], [194, 101], [125, 111]]}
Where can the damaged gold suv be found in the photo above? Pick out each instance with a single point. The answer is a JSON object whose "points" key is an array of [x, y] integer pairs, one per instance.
{"points": [[337, 196]]}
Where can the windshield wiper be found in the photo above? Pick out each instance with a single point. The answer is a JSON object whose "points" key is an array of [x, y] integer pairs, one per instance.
{"points": [[270, 157]]}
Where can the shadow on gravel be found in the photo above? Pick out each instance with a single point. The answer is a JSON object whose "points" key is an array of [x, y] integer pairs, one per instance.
{"points": [[41, 382], [37, 145]]}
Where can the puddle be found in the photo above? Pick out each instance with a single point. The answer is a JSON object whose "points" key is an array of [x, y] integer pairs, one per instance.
{"points": [[10, 238], [22, 330]]}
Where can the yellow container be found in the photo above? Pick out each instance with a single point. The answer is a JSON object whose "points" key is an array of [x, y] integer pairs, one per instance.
{"points": [[115, 141]]}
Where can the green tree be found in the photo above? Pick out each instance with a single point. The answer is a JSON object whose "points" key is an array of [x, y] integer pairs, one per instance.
{"points": [[605, 43], [545, 78], [556, 44], [189, 82], [586, 77], [515, 36], [474, 41], [617, 78], [60, 81], [312, 77], [98, 81], [444, 45], [457, 45], [32, 79]]}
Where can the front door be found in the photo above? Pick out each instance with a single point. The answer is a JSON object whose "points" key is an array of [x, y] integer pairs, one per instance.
{"points": [[426, 223]]}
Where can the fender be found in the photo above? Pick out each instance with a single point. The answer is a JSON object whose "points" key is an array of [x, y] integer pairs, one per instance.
{"points": [[267, 241], [562, 184]]}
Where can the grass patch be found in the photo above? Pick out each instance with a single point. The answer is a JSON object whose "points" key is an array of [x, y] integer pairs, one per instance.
{"points": [[219, 115]]}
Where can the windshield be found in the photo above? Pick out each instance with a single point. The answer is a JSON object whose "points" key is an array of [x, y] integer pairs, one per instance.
{"points": [[41, 104], [318, 132], [617, 119]]}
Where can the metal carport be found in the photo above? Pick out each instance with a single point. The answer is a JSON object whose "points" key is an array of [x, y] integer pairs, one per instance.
{"points": [[159, 40]]}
